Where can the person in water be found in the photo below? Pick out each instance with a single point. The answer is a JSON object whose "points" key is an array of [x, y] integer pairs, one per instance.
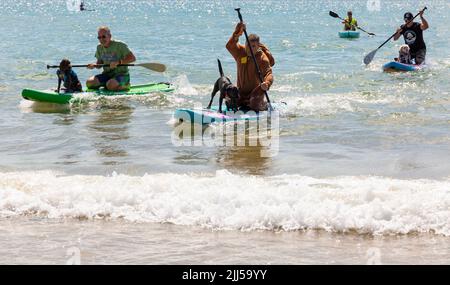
{"points": [[251, 90], [350, 23], [113, 53], [82, 6], [413, 34]]}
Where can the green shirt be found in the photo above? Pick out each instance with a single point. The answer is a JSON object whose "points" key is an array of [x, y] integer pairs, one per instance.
{"points": [[116, 51]]}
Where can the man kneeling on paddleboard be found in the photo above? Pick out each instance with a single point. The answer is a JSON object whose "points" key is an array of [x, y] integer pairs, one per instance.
{"points": [[251, 91], [413, 35], [114, 53]]}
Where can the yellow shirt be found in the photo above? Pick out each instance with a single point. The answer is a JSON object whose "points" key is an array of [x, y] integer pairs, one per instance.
{"points": [[350, 25]]}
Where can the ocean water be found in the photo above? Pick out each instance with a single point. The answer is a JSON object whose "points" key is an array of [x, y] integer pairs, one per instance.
{"points": [[361, 172]]}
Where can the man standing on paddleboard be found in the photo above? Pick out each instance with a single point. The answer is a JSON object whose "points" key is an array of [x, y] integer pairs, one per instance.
{"points": [[114, 53], [251, 91], [413, 35]]}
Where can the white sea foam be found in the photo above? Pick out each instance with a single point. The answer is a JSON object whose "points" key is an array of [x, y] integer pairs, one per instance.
{"points": [[364, 204], [330, 104], [183, 86]]}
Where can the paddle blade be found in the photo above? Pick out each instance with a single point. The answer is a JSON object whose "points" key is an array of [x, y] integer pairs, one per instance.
{"points": [[334, 15], [368, 59], [158, 67]]}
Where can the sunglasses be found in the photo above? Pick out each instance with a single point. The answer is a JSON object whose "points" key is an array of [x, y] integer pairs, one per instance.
{"points": [[102, 37], [407, 19]]}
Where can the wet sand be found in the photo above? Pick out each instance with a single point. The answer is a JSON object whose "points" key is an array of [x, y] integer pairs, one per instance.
{"points": [[41, 241]]}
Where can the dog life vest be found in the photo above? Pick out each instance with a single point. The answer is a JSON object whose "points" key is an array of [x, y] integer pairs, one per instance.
{"points": [[69, 79]]}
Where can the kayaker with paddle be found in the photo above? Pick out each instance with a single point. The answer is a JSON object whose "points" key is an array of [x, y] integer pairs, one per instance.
{"points": [[413, 34], [251, 91], [112, 52], [350, 23]]}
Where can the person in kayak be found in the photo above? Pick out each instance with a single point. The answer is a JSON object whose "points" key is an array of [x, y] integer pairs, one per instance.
{"points": [[251, 90], [114, 53], [350, 23], [413, 34]]}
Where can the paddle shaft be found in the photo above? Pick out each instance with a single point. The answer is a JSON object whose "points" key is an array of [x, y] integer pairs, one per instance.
{"points": [[97, 65], [254, 59], [405, 26], [370, 34]]}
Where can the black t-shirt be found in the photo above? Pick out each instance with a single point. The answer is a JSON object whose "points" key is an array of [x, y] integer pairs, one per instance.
{"points": [[414, 37]]}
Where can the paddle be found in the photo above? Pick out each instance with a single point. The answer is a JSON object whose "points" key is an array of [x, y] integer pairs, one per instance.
{"points": [[334, 15], [158, 67], [368, 58], [254, 59]]}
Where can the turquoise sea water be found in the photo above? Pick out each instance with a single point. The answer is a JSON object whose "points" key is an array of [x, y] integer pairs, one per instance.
{"points": [[359, 150]]}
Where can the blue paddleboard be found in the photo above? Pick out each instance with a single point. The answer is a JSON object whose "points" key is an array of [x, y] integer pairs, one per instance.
{"points": [[209, 116], [397, 66]]}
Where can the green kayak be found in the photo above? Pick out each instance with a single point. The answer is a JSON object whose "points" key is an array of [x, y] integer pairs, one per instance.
{"points": [[51, 96]]}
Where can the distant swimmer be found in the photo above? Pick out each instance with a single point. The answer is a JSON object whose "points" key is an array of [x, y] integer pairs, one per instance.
{"points": [[82, 8]]}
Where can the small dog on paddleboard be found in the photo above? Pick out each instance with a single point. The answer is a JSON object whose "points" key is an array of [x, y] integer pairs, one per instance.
{"points": [[227, 90], [68, 77], [404, 55]]}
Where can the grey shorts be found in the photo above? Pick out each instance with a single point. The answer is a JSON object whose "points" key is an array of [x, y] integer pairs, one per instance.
{"points": [[419, 56]]}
